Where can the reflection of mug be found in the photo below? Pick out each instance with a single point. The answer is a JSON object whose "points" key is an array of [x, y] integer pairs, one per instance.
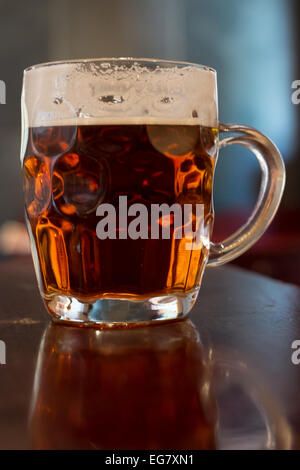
{"points": [[122, 389], [151, 388], [118, 163]]}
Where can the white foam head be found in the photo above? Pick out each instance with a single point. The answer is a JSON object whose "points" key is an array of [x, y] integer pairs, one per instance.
{"points": [[119, 91]]}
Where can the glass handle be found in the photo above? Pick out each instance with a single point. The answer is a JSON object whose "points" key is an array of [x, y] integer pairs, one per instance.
{"points": [[272, 186]]}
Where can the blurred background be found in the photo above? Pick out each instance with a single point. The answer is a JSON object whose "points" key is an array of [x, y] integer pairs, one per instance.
{"points": [[255, 48]]}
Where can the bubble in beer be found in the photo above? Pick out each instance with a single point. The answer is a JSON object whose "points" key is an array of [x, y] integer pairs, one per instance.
{"points": [[166, 100], [58, 100], [111, 99]]}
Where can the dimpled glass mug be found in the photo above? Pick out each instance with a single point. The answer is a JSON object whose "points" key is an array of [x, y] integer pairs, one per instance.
{"points": [[118, 162]]}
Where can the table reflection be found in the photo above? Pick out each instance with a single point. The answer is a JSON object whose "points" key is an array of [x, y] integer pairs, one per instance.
{"points": [[135, 388], [156, 387]]}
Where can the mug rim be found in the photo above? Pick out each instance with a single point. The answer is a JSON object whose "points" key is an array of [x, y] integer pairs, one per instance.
{"points": [[121, 60]]}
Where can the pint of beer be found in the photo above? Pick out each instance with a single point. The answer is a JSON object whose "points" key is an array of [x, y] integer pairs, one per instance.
{"points": [[118, 162]]}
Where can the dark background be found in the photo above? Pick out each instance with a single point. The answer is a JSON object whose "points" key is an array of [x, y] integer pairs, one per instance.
{"points": [[255, 48]]}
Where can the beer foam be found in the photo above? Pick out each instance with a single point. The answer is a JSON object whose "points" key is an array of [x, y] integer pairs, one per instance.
{"points": [[119, 91]]}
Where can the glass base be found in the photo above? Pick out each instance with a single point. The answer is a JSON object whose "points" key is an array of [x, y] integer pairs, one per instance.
{"points": [[114, 312]]}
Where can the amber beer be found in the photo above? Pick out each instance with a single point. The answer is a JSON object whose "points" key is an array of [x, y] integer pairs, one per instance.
{"points": [[69, 170]]}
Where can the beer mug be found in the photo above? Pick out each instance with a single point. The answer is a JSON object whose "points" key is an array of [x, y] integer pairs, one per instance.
{"points": [[118, 163]]}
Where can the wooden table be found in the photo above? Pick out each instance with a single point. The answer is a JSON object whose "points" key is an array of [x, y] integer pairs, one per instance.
{"points": [[157, 386]]}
